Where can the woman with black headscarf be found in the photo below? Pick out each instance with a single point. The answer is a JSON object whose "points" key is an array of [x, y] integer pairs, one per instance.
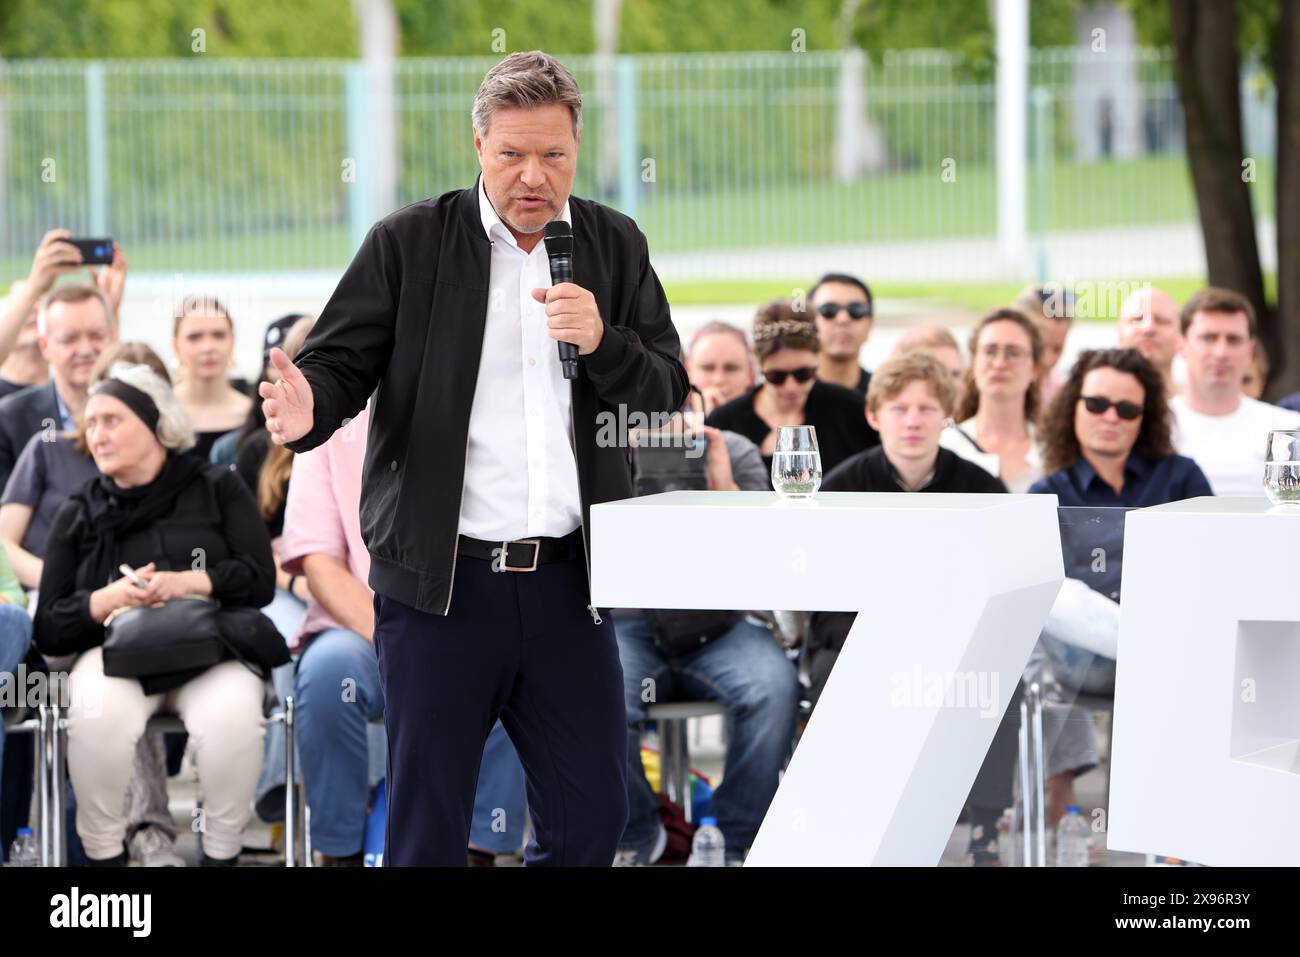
{"points": [[186, 528]]}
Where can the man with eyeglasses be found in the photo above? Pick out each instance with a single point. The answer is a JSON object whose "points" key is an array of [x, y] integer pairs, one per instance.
{"points": [[74, 325], [843, 308]]}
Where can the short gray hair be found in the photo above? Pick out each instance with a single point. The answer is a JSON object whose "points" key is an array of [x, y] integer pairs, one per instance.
{"points": [[526, 80], [174, 431]]}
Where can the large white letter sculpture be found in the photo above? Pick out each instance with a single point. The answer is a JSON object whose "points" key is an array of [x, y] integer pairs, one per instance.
{"points": [[1206, 755], [953, 591]]}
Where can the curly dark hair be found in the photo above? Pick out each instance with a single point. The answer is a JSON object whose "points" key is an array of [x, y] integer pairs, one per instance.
{"points": [[970, 400], [1061, 445]]}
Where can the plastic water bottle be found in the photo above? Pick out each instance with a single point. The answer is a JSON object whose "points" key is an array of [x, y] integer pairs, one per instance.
{"points": [[1072, 839], [707, 847], [23, 852]]}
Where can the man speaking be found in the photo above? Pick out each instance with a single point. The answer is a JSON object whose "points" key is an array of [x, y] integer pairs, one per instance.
{"points": [[482, 465]]}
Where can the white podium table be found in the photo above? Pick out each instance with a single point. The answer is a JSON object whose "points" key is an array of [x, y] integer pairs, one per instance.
{"points": [[955, 589], [1206, 756]]}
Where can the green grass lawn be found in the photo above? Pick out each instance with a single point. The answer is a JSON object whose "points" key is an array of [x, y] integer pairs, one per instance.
{"points": [[895, 206]]}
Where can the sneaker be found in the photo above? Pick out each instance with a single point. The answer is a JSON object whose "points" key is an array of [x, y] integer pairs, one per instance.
{"points": [[154, 847], [639, 857]]}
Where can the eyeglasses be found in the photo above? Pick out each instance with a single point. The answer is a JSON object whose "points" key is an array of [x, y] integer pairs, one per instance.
{"points": [[1013, 353], [856, 310], [1097, 405], [778, 376]]}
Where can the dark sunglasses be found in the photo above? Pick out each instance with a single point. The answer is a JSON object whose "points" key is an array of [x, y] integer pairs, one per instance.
{"points": [[778, 376], [856, 310], [1128, 411]]}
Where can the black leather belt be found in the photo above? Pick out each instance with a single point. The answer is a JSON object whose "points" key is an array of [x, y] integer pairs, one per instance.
{"points": [[524, 554]]}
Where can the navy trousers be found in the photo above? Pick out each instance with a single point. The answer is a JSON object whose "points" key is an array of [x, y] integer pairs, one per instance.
{"points": [[524, 648]]}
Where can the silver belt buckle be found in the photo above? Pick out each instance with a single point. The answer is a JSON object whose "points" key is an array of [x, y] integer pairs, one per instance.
{"points": [[505, 554]]}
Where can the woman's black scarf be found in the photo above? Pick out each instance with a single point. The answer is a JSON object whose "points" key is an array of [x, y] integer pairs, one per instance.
{"points": [[114, 512]]}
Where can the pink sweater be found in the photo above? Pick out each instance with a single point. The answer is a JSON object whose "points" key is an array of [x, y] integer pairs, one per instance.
{"points": [[322, 513]]}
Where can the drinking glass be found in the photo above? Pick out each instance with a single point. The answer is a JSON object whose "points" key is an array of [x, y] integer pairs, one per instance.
{"points": [[796, 463]]}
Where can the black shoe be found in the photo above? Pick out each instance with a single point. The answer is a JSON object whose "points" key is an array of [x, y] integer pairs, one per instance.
{"points": [[205, 861]]}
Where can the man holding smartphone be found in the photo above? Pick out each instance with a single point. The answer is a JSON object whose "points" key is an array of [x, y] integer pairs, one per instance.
{"points": [[482, 463]]}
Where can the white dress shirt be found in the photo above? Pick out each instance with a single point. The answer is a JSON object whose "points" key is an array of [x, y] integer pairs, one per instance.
{"points": [[521, 478]]}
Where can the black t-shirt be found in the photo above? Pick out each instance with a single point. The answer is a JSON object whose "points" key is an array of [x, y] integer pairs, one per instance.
{"points": [[864, 380], [838, 414], [870, 471]]}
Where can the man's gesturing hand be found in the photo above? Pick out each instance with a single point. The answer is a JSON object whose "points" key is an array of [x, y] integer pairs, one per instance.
{"points": [[287, 404], [572, 316]]}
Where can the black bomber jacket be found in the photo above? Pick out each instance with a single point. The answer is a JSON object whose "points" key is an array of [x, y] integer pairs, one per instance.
{"points": [[406, 324]]}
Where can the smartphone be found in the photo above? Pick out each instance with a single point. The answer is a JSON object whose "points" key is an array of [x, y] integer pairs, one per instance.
{"points": [[129, 572], [94, 252]]}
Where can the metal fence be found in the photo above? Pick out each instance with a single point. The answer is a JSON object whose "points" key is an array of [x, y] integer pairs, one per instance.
{"points": [[733, 164]]}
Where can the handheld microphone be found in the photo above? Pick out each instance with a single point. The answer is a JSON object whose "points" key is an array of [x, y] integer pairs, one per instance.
{"points": [[559, 250]]}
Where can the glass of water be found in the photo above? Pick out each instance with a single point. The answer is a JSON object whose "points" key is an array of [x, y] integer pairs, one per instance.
{"points": [[1281, 467], [796, 463]]}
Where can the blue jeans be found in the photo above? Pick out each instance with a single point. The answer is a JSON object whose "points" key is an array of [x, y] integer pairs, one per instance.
{"points": [[15, 639], [746, 671], [338, 693]]}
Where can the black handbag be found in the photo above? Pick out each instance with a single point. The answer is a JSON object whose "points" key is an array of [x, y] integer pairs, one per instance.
{"points": [[253, 640], [178, 635], [681, 631]]}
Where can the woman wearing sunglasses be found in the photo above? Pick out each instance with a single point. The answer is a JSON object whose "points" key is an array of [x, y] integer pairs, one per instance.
{"points": [[1000, 401], [787, 346], [1106, 442], [1106, 437]]}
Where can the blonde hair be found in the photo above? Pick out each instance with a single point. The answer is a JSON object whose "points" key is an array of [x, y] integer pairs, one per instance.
{"points": [[898, 372]]}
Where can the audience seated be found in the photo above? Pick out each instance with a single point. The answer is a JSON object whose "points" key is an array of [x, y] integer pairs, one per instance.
{"points": [[1219, 426], [996, 416], [787, 344]]}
